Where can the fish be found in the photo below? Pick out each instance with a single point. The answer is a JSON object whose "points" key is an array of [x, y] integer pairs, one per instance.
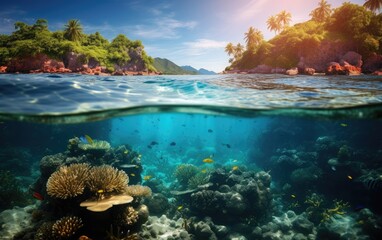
{"points": [[333, 168], [350, 177], [153, 143], [132, 174], [208, 160], [227, 145], [89, 139], [234, 160], [147, 177], [343, 125], [149, 146], [180, 207], [128, 166], [100, 191], [293, 196], [210, 130], [38, 196], [126, 152], [172, 143], [234, 168], [204, 170]]}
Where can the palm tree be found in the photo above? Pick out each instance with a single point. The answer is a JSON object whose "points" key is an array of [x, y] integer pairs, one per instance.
{"points": [[284, 18], [322, 12], [229, 49], [73, 30], [273, 24], [373, 5], [253, 38], [238, 51]]}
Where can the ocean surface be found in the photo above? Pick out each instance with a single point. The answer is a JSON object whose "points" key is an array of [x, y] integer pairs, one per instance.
{"points": [[205, 157]]}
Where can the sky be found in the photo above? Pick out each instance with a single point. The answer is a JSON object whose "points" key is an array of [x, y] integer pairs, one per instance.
{"points": [[187, 32]]}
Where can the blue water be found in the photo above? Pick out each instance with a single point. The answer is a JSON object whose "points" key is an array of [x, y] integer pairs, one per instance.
{"points": [[263, 156]]}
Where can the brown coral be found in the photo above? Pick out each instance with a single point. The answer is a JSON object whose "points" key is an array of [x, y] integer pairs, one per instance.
{"points": [[68, 181], [129, 216], [138, 191], [66, 227], [106, 179], [44, 232]]}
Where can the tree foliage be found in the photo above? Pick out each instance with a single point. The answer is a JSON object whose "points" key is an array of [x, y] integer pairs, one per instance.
{"points": [[29, 40]]}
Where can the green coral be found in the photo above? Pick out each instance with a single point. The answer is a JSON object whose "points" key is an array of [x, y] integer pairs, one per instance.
{"points": [[184, 172], [338, 208]]}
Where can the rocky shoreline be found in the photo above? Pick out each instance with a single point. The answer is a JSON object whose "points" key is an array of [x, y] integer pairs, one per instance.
{"points": [[349, 64], [72, 63]]}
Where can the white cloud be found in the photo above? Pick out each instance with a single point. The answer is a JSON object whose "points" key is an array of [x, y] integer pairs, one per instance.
{"points": [[165, 27], [250, 9], [202, 46]]}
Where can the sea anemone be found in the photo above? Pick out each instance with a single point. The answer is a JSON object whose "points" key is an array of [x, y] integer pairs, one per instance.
{"points": [[68, 181], [66, 227], [106, 179], [138, 191]]}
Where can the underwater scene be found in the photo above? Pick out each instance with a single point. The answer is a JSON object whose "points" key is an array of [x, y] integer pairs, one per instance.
{"points": [[190, 157]]}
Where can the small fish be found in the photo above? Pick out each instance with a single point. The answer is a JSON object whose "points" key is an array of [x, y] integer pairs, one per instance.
{"points": [[172, 143], [210, 130], [293, 196], [89, 139], [126, 152], [38, 196], [153, 143], [350, 177], [149, 146], [180, 207], [208, 160], [333, 168], [204, 170], [227, 145], [343, 125], [100, 191], [128, 166], [132, 174], [147, 177], [234, 168], [372, 183]]}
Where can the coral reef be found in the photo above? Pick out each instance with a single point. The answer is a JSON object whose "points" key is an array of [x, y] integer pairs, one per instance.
{"points": [[184, 172], [138, 191], [68, 181], [66, 227], [11, 193], [164, 228], [106, 179]]}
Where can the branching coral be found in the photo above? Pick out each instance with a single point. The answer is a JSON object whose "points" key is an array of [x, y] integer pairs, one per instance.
{"points": [[130, 216], [66, 227], [138, 191], [184, 172], [106, 179], [68, 181], [339, 208]]}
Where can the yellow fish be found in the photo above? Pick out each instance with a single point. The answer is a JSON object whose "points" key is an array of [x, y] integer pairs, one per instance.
{"points": [[133, 175], [343, 125], [208, 160], [293, 196], [89, 139], [204, 170], [147, 177], [350, 177], [100, 191], [126, 152], [235, 168], [180, 207]]}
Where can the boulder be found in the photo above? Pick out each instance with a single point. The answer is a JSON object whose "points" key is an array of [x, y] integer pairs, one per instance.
{"points": [[377, 73], [27, 64], [74, 61], [292, 71], [3, 69], [334, 68], [309, 71], [350, 69], [352, 58], [372, 63]]}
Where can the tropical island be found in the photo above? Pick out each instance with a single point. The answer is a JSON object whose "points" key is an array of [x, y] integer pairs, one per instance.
{"points": [[35, 49], [344, 40]]}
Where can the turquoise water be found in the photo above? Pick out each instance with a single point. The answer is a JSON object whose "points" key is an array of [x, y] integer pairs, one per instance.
{"points": [[225, 157]]}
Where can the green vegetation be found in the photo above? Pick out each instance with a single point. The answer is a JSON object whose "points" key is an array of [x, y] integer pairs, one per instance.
{"points": [[167, 67], [31, 40], [350, 26]]}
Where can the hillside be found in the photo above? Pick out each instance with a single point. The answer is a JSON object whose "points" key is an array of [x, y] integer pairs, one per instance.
{"points": [[167, 67], [201, 71]]}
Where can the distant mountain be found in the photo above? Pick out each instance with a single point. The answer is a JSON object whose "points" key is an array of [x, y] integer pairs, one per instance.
{"points": [[201, 71], [167, 67]]}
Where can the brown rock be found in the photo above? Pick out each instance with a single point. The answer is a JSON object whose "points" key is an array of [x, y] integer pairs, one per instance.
{"points": [[350, 69], [3, 69], [27, 64], [292, 71], [378, 73], [372, 63], [352, 58], [261, 69], [309, 71], [334, 68]]}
